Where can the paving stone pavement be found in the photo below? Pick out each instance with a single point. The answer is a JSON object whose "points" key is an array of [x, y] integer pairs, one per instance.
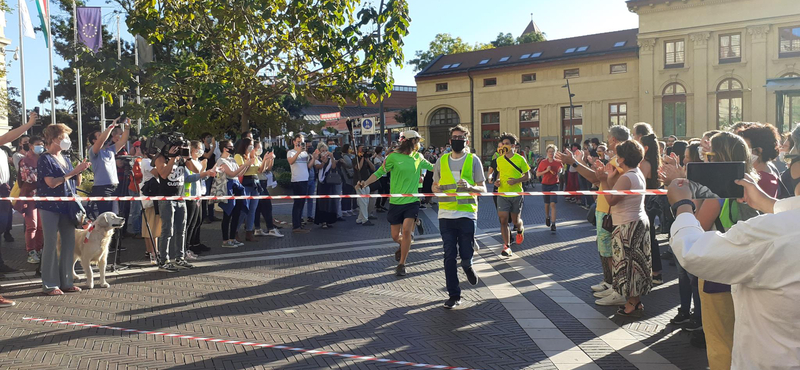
{"points": [[334, 290]]}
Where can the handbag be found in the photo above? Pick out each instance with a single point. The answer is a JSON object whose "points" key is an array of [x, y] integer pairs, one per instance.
{"points": [[591, 216], [608, 223]]}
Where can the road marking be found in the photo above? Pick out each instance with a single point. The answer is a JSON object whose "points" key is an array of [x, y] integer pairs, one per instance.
{"points": [[248, 344]]}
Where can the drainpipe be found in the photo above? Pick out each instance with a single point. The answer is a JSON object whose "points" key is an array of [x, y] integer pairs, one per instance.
{"points": [[472, 104]]}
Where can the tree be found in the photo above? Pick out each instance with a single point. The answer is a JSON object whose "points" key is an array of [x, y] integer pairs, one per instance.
{"points": [[14, 107], [408, 116], [442, 44], [503, 39], [531, 37], [224, 62]]}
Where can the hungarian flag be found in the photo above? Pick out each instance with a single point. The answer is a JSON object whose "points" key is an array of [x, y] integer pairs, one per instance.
{"points": [[44, 16]]}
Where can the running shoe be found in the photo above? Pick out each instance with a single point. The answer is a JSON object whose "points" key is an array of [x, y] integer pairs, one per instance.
{"points": [[167, 267], [452, 302], [613, 299], [553, 227], [603, 294], [5, 302], [182, 263], [600, 287], [547, 221], [275, 233], [507, 252], [153, 260], [260, 232], [400, 270], [33, 258], [520, 235], [471, 277], [694, 324], [397, 255], [681, 318], [238, 243], [191, 255], [420, 228]]}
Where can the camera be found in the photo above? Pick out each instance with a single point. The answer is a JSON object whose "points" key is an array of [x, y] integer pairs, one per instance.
{"points": [[162, 143]]}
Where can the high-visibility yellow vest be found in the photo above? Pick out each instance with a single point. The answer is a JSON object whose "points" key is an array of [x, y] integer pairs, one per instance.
{"points": [[448, 185]]}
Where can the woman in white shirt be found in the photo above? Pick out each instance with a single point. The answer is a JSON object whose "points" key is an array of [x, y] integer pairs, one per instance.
{"points": [[630, 240]]}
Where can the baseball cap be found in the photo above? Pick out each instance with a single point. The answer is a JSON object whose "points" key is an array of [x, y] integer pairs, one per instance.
{"points": [[137, 143], [411, 134]]}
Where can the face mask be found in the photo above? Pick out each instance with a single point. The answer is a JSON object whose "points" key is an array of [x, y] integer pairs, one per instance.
{"points": [[250, 148], [26, 147], [753, 159], [458, 145], [38, 149], [259, 151], [65, 144], [607, 157]]}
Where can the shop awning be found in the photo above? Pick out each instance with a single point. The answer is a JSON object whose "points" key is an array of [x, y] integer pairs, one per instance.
{"points": [[783, 84]]}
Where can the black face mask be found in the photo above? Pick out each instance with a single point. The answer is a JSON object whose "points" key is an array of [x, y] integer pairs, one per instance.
{"points": [[26, 147], [458, 145]]}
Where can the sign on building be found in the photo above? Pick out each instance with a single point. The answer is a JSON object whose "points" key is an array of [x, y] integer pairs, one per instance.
{"points": [[368, 126]]}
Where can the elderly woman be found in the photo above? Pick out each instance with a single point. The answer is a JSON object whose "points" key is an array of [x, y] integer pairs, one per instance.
{"points": [[56, 178], [630, 240]]}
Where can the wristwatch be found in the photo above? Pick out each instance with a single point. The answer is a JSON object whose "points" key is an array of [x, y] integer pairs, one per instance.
{"points": [[680, 203]]}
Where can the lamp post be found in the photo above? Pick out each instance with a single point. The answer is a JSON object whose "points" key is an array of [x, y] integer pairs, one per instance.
{"points": [[571, 108]]}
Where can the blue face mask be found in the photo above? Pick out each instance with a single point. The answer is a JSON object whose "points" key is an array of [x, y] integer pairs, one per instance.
{"points": [[38, 149]]}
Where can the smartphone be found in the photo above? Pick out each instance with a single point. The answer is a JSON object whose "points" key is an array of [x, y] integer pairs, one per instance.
{"points": [[716, 179]]}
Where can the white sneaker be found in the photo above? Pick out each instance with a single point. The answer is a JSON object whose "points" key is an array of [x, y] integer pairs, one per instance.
{"points": [[260, 232], [229, 244], [604, 293], [613, 299], [275, 233], [601, 287], [237, 243], [191, 256]]}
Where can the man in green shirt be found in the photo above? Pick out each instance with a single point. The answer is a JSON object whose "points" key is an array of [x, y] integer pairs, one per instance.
{"points": [[512, 172], [406, 165]]}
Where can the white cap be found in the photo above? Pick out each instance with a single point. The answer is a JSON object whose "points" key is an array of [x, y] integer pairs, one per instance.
{"points": [[411, 134]]}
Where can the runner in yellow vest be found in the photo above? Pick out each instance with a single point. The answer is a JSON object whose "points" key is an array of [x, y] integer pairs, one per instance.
{"points": [[459, 171]]}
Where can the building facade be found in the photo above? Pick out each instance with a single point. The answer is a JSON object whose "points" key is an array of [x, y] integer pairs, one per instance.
{"points": [[691, 66]]}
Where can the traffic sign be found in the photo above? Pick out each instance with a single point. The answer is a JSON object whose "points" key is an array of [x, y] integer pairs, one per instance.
{"points": [[368, 126]]}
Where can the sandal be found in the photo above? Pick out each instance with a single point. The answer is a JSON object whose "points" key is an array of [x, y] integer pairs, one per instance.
{"points": [[53, 292], [637, 311], [72, 289]]}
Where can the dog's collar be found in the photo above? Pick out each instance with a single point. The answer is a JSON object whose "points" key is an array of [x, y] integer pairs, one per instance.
{"points": [[88, 233]]}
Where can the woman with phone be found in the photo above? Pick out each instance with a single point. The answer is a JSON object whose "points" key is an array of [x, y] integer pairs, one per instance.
{"points": [[327, 179], [246, 150], [763, 140], [265, 205], [630, 240], [227, 183]]}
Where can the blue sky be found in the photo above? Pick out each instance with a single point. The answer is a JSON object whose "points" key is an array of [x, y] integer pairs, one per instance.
{"points": [[472, 20]]}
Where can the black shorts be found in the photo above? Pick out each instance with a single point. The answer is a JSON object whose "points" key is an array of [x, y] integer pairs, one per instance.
{"points": [[399, 212]]}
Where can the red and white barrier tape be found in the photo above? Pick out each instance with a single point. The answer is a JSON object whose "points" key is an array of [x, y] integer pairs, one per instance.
{"points": [[250, 344], [346, 196]]}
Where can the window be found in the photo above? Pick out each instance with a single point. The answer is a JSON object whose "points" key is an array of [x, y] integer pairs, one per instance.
{"points": [[441, 87], [729, 103], [619, 68], [524, 56], [620, 44], [536, 55], [529, 77], [572, 73], [675, 54], [455, 65], [529, 129], [618, 114], [790, 42], [572, 124], [504, 59], [484, 61], [730, 48], [490, 132], [570, 50], [446, 66], [583, 48], [674, 110], [489, 82], [444, 117]]}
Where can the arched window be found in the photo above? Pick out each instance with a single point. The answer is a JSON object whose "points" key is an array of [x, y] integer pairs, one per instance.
{"points": [[729, 103], [445, 116], [674, 110], [790, 75]]}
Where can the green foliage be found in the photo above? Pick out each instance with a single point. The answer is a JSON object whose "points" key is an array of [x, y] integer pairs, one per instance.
{"points": [[408, 117], [503, 39], [284, 179], [282, 164], [531, 37], [222, 63], [280, 153]]}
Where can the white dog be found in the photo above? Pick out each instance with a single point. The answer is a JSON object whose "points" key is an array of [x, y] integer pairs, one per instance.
{"points": [[91, 247]]}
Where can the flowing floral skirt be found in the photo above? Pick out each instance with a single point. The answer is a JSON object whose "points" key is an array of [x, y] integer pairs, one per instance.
{"points": [[632, 263]]}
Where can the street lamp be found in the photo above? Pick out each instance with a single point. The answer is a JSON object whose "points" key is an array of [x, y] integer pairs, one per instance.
{"points": [[571, 107]]}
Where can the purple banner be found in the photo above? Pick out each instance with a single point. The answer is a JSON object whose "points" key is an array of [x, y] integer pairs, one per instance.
{"points": [[90, 27]]}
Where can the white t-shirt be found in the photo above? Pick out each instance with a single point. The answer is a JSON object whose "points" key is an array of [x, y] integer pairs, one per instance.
{"points": [[300, 166], [5, 174], [147, 166]]}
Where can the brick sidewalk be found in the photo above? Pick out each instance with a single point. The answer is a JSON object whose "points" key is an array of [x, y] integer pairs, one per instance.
{"points": [[334, 290]]}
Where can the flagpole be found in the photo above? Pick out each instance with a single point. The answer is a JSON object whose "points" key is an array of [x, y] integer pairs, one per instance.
{"points": [[119, 56], [22, 63], [52, 75], [138, 88], [77, 82]]}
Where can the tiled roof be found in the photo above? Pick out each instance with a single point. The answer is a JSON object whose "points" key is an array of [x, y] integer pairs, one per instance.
{"points": [[538, 52]]}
